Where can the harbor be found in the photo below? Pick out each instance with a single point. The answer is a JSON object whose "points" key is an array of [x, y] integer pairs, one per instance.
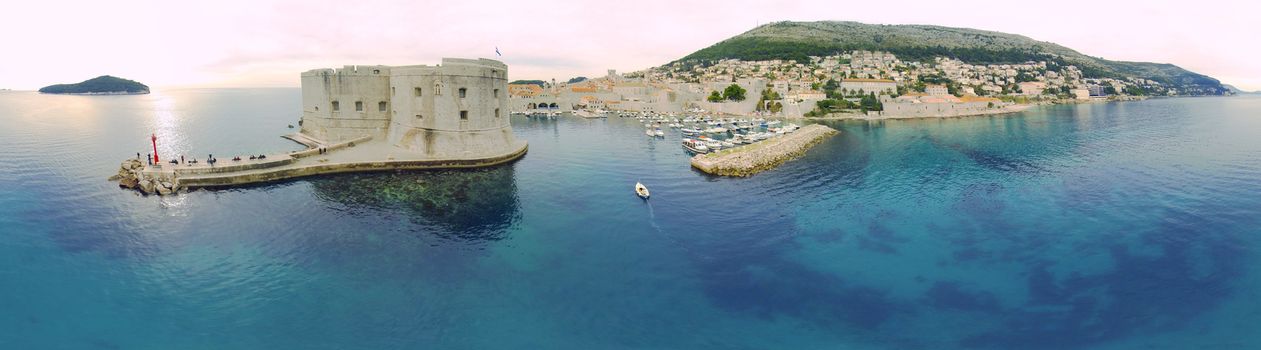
{"points": [[765, 155], [732, 146]]}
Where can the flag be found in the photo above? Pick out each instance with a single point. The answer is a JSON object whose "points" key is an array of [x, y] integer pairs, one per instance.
{"points": [[497, 51]]}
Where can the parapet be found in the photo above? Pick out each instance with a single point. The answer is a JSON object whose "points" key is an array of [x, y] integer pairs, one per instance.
{"points": [[350, 71]]}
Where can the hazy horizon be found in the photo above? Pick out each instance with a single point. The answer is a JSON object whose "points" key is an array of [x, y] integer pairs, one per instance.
{"points": [[239, 44]]}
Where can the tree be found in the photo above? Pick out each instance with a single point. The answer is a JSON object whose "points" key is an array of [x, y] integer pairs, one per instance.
{"points": [[978, 90], [733, 92], [831, 84], [870, 103], [776, 107], [714, 97], [919, 86]]}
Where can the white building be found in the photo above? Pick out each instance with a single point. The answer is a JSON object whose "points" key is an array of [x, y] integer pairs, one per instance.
{"points": [[870, 85], [937, 90]]}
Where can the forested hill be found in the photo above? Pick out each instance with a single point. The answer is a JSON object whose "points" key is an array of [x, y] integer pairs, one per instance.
{"points": [[800, 40], [100, 85]]}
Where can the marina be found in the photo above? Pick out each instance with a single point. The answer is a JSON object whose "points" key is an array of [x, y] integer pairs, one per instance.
{"points": [[762, 156]]}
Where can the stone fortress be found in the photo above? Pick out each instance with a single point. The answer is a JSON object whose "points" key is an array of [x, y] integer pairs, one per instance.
{"points": [[457, 109], [370, 118]]}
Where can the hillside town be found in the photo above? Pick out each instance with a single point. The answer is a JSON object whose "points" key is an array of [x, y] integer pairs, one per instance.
{"points": [[854, 84]]}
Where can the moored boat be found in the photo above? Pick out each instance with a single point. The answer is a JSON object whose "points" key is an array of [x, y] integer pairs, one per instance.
{"points": [[695, 146]]}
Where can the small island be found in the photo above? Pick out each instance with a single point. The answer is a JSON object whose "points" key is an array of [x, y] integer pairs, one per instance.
{"points": [[102, 85]]}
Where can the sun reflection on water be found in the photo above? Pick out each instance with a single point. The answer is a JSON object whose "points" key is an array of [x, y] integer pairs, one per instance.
{"points": [[166, 125]]}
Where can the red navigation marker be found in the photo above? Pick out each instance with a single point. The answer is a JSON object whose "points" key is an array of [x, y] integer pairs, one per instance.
{"points": [[154, 138]]}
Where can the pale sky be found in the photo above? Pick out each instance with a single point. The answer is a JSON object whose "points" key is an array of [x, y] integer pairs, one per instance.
{"points": [[258, 43]]}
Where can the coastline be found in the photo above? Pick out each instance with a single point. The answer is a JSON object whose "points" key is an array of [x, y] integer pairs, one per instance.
{"points": [[857, 116], [1016, 108]]}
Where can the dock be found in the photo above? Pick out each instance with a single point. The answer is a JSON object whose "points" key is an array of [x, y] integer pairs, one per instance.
{"points": [[358, 155], [762, 156]]}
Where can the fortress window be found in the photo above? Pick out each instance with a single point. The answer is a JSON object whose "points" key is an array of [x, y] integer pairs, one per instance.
{"points": [[463, 92], [381, 106], [392, 91], [420, 116], [376, 71], [336, 106], [496, 112], [463, 115], [317, 108], [496, 93], [359, 106], [417, 91]]}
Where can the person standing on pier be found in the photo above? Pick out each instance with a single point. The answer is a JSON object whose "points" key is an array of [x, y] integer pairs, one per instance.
{"points": [[181, 159], [149, 158]]}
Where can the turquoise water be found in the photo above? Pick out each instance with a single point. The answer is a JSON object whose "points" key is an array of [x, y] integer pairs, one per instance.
{"points": [[1098, 226]]}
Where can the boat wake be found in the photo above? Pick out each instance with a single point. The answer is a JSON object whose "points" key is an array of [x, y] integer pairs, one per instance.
{"points": [[652, 218]]}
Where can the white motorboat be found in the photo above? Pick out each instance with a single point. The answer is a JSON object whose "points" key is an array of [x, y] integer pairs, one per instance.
{"points": [[649, 132], [659, 133], [695, 146], [641, 190]]}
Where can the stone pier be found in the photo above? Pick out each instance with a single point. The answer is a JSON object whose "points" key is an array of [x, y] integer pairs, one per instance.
{"points": [[359, 155], [764, 155]]}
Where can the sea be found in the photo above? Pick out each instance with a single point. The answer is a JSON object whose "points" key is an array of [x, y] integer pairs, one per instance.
{"points": [[1127, 225]]}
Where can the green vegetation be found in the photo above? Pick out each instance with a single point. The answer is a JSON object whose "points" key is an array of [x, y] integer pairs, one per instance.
{"points": [[576, 80], [100, 85], [540, 83], [734, 92], [769, 95], [866, 103], [714, 96], [870, 103], [829, 89], [797, 41]]}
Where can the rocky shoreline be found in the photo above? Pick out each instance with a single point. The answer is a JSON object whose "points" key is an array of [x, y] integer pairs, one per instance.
{"points": [[131, 175], [766, 155]]}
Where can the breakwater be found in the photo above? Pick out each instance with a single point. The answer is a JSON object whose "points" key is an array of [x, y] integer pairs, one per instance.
{"points": [[765, 155], [359, 155]]}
